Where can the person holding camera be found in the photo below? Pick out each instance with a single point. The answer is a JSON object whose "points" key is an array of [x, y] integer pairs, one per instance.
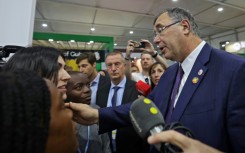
{"points": [[147, 59]]}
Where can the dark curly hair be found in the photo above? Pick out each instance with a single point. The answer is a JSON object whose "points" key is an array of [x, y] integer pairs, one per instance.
{"points": [[25, 104]]}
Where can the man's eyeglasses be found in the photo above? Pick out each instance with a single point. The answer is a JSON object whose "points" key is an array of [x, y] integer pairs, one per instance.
{"points": [[160, 29], [117, 65]]}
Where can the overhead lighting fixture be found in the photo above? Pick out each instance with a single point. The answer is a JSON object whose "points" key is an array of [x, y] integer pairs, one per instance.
{"points": [[72, 40], [220, 9], [131, 32], [91, 41], [88, 43], [227, 42], [58, 42], [175, 0], [115, 44], [92, 29], [223, 45], [50, 39], [44, 25]]}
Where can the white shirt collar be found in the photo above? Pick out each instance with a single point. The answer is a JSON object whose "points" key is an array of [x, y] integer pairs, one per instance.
{"points": [[121, 84], [188, 63]]}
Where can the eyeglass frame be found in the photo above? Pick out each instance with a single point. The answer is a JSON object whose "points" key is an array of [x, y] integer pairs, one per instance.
{"points": [[158, 32]]}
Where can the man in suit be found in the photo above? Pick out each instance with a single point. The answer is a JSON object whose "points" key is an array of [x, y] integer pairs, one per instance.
{"points": [[87, 64], [210, 98], [127, 140]]}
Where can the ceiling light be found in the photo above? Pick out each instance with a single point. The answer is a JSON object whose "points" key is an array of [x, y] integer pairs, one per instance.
{"points": [[92, 29], [220, 9], [223, 45], [44, 24], [115, 44], [175, 0], [88, 43], [91, 41], [131, 32], [227, 42], [50, 39], [72, 40], [58, 42]]}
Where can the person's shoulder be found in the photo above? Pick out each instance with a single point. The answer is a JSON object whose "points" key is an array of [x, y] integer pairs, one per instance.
{"points": [[130, 82], [227, 57], [104, 78]]}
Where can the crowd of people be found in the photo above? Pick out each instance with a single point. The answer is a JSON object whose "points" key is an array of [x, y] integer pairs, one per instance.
{"points": [[202, 90]]}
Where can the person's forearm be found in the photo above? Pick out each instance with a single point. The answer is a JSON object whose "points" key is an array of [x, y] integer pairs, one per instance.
{"points": [[162, 60], [111, 118]]}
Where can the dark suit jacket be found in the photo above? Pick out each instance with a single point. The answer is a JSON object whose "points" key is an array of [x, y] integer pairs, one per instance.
{"points": [[127, 140], [213, 108]]}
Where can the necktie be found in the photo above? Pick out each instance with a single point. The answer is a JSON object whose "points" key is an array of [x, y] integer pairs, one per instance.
{"points": [[113, 133], [114, 97], [174, 93]]}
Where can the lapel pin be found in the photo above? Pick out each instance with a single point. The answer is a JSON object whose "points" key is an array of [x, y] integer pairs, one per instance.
{"points": [[195, 80], [200, 72]]}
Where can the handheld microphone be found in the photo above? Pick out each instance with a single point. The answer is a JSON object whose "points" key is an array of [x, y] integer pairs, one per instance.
{"points": [[147, 120], [143, 88]]}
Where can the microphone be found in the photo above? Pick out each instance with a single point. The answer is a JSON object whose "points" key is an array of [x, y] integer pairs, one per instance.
{"points": [[147, 120], [143, 88]]}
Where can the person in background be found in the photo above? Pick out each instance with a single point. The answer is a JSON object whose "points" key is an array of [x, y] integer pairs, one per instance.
{"points": [[134, 69], [78, 91], [87, 64], [156, 70], [188, 145], [148, 55], [33, 116], [48, 62], [120, 91], [205, 86]]}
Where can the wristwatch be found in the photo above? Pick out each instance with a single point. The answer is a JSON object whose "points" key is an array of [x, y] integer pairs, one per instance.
{"points": [[154, 55]]}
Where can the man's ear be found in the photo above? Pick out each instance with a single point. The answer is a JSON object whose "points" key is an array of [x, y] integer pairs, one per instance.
{"points": [[94, 65], [186, 26]]}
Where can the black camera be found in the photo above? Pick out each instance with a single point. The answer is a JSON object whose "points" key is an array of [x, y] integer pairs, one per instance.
{"points": [[5, 52], [139, 44]]}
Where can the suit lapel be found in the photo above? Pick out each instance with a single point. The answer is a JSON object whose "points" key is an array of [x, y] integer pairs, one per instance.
{"points": [[165, 93], [127, 91], [193, 81], [102, 95]]}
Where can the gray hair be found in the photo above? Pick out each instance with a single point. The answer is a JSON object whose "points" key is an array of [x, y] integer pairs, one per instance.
{"points": [[179, 14]]}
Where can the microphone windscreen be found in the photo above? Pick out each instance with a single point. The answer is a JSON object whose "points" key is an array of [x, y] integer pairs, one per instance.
{"points": [[143, 88], [144, 116]]}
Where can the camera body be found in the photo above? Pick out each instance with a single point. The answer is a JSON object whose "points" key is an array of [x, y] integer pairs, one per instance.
{"points": [[5, 52], [138, 44]]}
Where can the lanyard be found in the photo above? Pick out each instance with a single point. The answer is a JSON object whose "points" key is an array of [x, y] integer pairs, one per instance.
{"points": [[87, 144]]}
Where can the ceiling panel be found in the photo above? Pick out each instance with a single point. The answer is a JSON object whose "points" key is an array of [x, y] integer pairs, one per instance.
{"points": [[116, 18], [109, 17], [65, 12]]}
